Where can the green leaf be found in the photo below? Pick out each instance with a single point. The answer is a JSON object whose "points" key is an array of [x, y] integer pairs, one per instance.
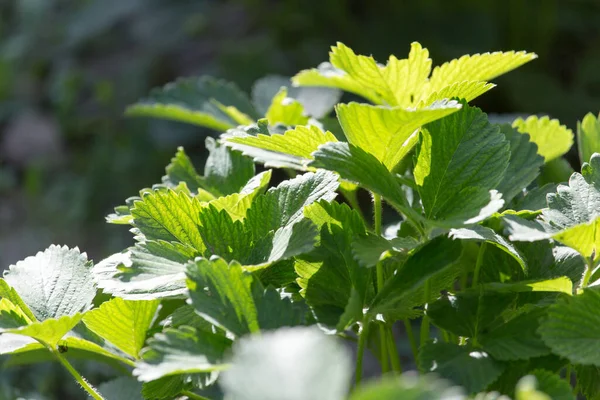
{"points": [[11, 294], [425, 263], [477, 67], [487, 235], [459, 160], [588, 137], [149, 270], [293, 149], [180, 169], [463, 365], [225, 171], [523, 166], [588, 381], [122, 388], [202, 101], [261, 370], [317, 102], [48, 332], [517, 339], [408, 387], [467, 90], [468, 313], [286, 110], [552, 138], [572, 329], [167, 388], [388, 133], [548, 383], [123, 323], [181, 351], [368, 250], [328, 275], [54, 283], [559, 285]]}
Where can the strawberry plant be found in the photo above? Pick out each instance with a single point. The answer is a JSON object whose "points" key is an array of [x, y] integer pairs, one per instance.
{"points": [[238, 289]]}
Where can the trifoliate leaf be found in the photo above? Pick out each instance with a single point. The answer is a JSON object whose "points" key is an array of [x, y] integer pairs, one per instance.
{"points": [[465, 366], [547, 383], [425, 263], [329, 274], [523, 166], [292, 149], [477, 67], [468, 313], [317, 102], [261, 367], [517, 339], [588, 137], [123, 323], [54, 283], [149, 270], [552, 138], [572, 329], [459, 160], [487, 235], [181, 351], [388, 133], [408, 387], [286, 110], [202, 101], [170, 216], [122, 388]]}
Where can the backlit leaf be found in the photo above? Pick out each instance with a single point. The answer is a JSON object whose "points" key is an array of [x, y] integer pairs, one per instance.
{"points": [[552, 138]]}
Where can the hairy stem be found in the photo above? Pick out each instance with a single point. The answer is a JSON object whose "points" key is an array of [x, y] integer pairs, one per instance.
{"points": [[362, 343], [193, 396], [478, 263], [377, 210], [92, 391], [414, 347], [394, 356]]}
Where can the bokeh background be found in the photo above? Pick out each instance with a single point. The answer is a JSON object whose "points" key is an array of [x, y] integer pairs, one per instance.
{"points": [[68, 68]]}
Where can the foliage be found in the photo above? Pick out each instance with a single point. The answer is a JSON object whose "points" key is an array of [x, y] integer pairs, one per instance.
{"points": [[235, 289]]}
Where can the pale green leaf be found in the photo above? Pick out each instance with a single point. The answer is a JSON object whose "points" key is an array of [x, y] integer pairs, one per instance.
{"points": [[487, 235], [460, 159], [292, 149], [584, 238], [282, 365], [237, 204], [123, 323], [465, 366], [572, 329], [48, 332], [388, 133], [477, 67], [552, 138], [523, 166], [285, 110], [54, 283], [548, 386], [559, 285], [201, 101], [408, 387], [467, 90], [181, 351], [588, 137], [6, 292]]}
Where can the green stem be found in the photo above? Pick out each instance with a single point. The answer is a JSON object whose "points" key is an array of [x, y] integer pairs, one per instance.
{"points": [[193, 396], [377, 210], [383, 344], [362, 343], [414, 347], [568, 374], [478, 263], [394, 356], [588, 272], [424, 334], [93, 392]]}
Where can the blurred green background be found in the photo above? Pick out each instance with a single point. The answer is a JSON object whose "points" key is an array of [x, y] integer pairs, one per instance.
{"points": [[68, 68]]}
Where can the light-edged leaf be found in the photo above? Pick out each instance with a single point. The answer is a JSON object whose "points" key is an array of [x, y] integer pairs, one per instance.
{"points": [[427, 261], [460, 160], [487, 235], [147, 271], [262, 368], [523, 166], [54, 283], [465, 366], [552, 138], [572, 329], [6, 292], [467, 90], [478, 67], [292, 149], [123, 322], [588, 137], [560, 285], [317, 102], [389, 133], [203, 101], [285, 110], [181, 169], [182, 351], [48, 332]]}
